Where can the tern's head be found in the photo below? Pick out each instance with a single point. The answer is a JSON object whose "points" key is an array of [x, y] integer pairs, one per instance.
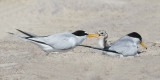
{"points": [[137, 36], [102, 33], [83, 33]]}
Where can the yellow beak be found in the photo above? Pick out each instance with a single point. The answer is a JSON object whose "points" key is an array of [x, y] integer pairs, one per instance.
{"points": [[92, 35], [143, 44]]}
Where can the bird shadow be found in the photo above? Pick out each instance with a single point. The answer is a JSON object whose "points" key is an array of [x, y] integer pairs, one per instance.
{"points": [[97, 48]]}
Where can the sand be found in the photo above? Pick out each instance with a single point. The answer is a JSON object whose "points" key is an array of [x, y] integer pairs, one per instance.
{"points": [[22, 60]]}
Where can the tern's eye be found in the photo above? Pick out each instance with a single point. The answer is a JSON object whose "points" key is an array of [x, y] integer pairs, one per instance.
{"points": [[86, 33]]}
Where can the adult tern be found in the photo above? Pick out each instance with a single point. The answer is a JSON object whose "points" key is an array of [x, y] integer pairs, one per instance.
{"points": [[57, 42], [126, 45]]}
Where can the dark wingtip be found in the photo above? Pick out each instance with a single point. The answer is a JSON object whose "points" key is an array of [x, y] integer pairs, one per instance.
{"points": [[25, 33], [19, 30]]}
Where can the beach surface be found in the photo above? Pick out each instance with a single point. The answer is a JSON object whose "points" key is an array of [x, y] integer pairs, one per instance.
{"points": [[23, 60]]}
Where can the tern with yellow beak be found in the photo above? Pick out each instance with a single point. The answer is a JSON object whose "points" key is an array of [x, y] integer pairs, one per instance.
{"points": [[57, 42], [126, 45]]}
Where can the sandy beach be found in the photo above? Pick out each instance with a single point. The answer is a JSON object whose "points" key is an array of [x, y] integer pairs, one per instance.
{"points": [[23, 60]]}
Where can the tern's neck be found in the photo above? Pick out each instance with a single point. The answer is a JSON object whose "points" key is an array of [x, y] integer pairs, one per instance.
{"points": [[103, 42], [136, 40], [80, 39]]}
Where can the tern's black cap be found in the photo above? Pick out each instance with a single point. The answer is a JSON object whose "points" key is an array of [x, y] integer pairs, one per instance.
{"points": [[135, 35], [80, 33]]}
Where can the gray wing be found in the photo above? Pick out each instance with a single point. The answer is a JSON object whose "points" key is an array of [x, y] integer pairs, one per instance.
{"points": [[124, 46], [61, 41]]}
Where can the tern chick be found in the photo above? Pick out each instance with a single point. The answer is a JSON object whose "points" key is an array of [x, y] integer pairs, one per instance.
{"points": [[102, 42]]}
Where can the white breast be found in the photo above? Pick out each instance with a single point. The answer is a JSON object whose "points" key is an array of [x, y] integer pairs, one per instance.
{"points": [[101, 42]]}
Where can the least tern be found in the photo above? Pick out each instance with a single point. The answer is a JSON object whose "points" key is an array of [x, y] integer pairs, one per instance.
{"points": [[57, 42], [126, 45]]}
